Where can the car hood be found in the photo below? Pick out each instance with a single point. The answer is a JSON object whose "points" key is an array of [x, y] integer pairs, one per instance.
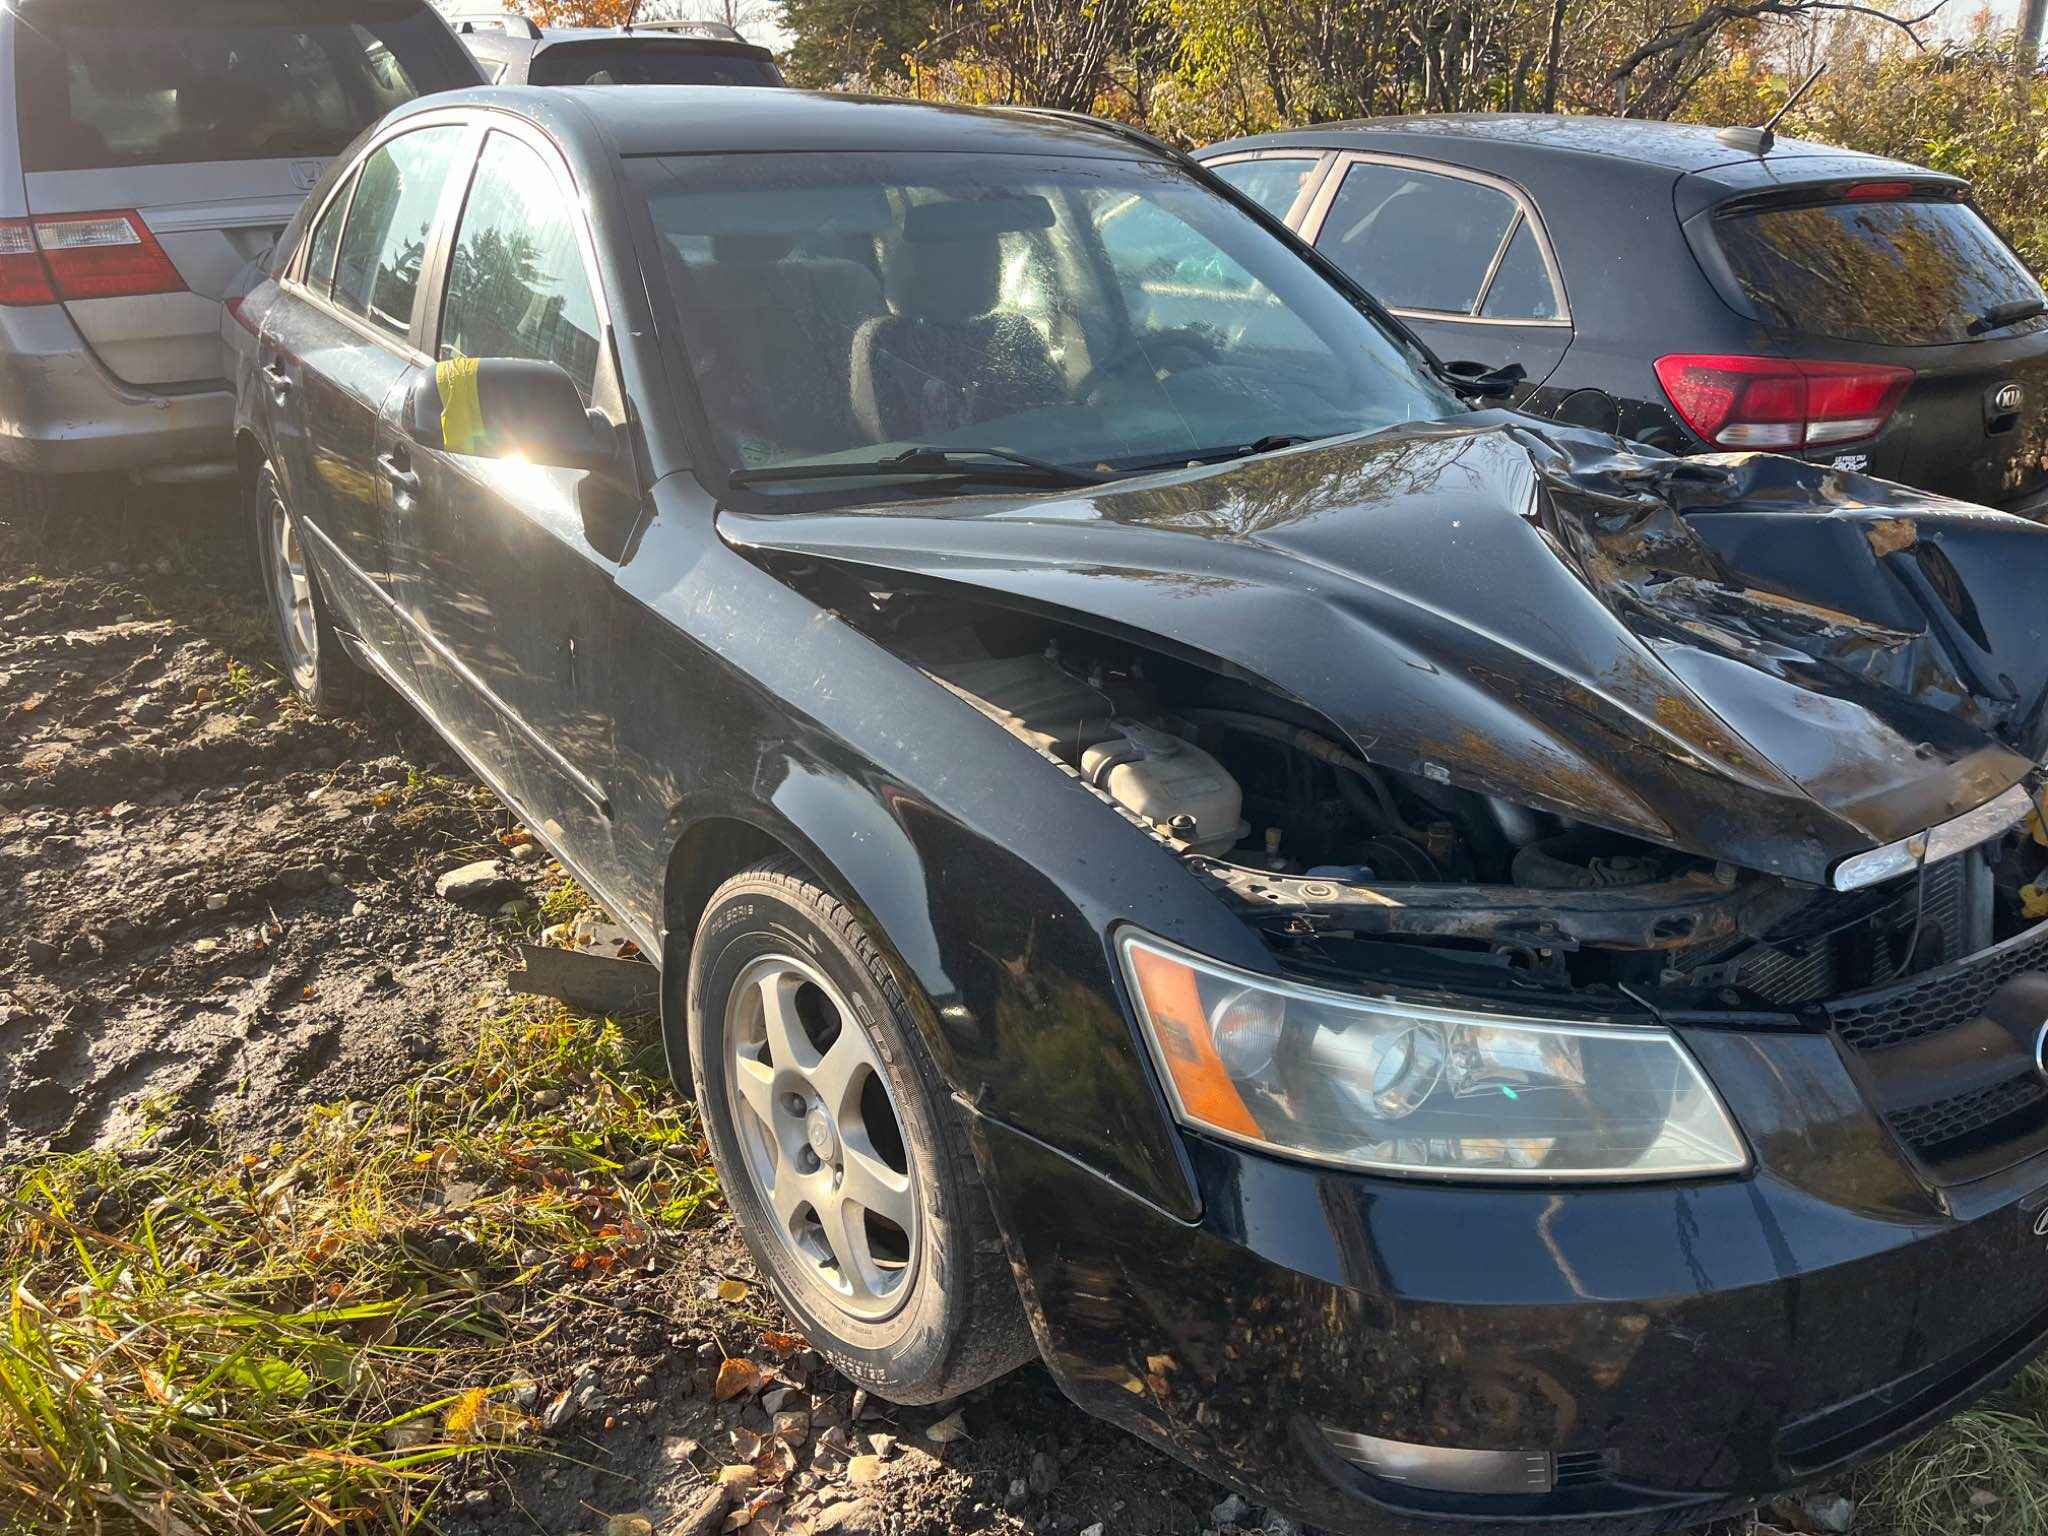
{"points": [[1745, 657]]}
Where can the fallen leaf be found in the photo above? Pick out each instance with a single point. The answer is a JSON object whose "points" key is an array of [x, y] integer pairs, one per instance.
{"points": [[732, 1290], [629, 1525], [784, 1343], [734, 1377], [778, 1464], [738, 1478], [746, 1444], [952, 1427]]}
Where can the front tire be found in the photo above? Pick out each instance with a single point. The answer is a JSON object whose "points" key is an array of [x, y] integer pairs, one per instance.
{"points": [[320, 672], [848, 1170]]}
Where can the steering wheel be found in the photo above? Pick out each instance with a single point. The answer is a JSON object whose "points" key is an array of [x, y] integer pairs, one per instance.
{"points": [[1161, 352]]}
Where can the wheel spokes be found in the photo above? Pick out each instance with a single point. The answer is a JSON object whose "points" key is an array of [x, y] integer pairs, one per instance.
{"points": [[872, 1185], [820, 1133]]}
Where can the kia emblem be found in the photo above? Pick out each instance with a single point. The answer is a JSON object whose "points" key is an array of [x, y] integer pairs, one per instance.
{"points": [[306, 176], [2010, 398]]}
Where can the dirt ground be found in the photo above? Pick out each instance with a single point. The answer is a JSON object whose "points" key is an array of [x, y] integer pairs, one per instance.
{"points": [[218, 911]]}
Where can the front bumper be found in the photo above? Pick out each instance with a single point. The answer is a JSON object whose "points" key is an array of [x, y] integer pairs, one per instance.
{"points": [[62, 413], [1686, 1350]]}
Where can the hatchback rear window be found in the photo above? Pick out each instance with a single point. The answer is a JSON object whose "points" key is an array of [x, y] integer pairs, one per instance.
{"points": [[646, 64], [101, 87], [1899, 274]]}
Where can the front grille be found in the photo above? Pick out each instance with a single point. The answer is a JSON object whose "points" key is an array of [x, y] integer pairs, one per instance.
{"points": [[1935, 1000], [1950, 1127]]}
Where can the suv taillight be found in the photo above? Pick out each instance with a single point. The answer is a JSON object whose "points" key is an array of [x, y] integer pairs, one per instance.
{"points": [[61, 257], [1781, 403]]}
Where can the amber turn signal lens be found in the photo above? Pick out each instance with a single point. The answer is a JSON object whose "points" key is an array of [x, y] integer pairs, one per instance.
{"points": [[1172, 1003]]}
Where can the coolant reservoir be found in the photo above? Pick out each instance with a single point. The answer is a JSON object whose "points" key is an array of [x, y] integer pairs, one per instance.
{"points": [[1156, 775]]}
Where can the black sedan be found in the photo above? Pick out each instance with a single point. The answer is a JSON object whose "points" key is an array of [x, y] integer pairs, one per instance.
{"points": [[1693, 289], [1430, 963]]}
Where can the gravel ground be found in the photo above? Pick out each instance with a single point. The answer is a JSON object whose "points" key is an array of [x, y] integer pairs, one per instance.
{"points": [[221, 911]]}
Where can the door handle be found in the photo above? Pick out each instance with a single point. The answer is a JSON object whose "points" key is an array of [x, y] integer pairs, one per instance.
{"points": [[279, 379], [399, 472]]}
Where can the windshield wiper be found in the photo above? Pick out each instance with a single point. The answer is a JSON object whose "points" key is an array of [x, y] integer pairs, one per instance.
{"points": [[1272, 443], [1999, 316], [996, 465]]}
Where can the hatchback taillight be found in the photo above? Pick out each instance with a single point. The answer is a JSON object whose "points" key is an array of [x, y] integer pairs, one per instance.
{"points": [[62, 257], [1781, 403]]}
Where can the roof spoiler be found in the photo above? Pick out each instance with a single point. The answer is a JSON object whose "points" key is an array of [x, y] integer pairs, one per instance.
{"points": [[496, 21]]}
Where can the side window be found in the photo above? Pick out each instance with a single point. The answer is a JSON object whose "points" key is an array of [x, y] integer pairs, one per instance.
{"points": [[399, 188], [327, 240], [1521, 289], [1414, 240], [517, 286], [1272, 183]]}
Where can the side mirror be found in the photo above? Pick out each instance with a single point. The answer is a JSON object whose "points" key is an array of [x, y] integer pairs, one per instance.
{"points": [[1477, 381], [509, 408]]}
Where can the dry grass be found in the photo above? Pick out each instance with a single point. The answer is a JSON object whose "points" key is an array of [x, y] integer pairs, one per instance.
{"points": [[301, 1340]]}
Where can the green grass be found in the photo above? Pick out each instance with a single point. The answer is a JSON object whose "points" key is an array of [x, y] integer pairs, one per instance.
{"points": [[1984, 1471], [302, 1338]]}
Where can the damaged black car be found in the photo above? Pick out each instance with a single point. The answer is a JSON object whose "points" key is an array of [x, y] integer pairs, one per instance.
{"points": [[1437, 966]]}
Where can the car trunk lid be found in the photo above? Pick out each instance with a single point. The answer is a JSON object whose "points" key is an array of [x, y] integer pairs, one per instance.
{"points": [[222, 217]]}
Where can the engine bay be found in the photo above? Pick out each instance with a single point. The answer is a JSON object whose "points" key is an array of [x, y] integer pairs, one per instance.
{"points": [[1350, 868]]}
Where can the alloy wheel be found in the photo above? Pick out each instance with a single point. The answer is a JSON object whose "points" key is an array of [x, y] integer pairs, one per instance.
{"points": [[291, 589], [820, 1135]]}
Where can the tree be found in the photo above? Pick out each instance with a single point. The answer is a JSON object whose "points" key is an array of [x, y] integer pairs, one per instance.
{"points": [[855, 42]]}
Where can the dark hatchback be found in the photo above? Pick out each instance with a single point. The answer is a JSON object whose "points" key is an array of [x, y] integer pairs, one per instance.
{"points": [[513, 50], [1435, 965], [1657, 281]]}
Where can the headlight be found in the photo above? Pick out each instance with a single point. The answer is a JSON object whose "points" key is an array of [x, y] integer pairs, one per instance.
{"points": [[1396, 1087]]}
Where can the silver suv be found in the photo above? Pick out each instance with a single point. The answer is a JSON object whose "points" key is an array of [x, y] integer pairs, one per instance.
{"points": [[151, 149]]}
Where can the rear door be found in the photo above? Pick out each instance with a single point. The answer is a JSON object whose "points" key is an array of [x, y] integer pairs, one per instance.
{"points": [[190, 134], [1463, 258], [336, 350], [1905, 275]]}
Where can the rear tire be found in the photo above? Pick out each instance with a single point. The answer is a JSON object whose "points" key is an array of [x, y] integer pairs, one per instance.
{"points": [[862, 1205], [27, 501], [320, 672]]}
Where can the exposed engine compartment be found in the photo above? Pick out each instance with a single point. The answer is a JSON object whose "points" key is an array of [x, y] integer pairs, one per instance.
{"points": [[1338, 861]]}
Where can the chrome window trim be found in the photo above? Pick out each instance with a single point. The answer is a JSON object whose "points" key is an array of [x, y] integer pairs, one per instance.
{"points": [[1310, 229], [1320, 161], [293, 283]]}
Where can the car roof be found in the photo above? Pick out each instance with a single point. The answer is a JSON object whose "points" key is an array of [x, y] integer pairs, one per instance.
{"points": [[711, 119], [1467, 137]]}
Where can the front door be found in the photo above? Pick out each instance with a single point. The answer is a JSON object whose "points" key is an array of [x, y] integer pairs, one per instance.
{"points": [[521, 620], [1463, 259]]}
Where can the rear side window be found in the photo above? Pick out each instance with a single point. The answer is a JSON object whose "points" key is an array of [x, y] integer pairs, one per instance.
{"points": [[1889, 273], [327, 241], [99, 88], [648, 64], [517, 286], [377, 274], [1416, 240], [1272, 184]]}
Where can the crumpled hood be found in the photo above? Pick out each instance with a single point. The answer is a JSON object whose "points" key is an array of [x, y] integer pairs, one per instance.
{"points": [[1745, 657]]}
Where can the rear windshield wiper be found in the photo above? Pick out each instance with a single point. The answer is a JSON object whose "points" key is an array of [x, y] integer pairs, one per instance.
{"points": [[1999, 316], [996, 465]]}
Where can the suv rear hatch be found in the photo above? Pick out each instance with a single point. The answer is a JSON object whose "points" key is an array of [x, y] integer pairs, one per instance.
{"points": [[651, 61], [1898, 276], [166, 145]]}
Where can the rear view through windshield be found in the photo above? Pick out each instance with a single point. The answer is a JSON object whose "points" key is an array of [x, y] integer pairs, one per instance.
{"points": [[100, 87], [1889, 273], [646, 64]]}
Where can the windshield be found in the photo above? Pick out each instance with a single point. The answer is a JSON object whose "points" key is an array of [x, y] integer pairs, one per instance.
{"points": [[1104, 314]]}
